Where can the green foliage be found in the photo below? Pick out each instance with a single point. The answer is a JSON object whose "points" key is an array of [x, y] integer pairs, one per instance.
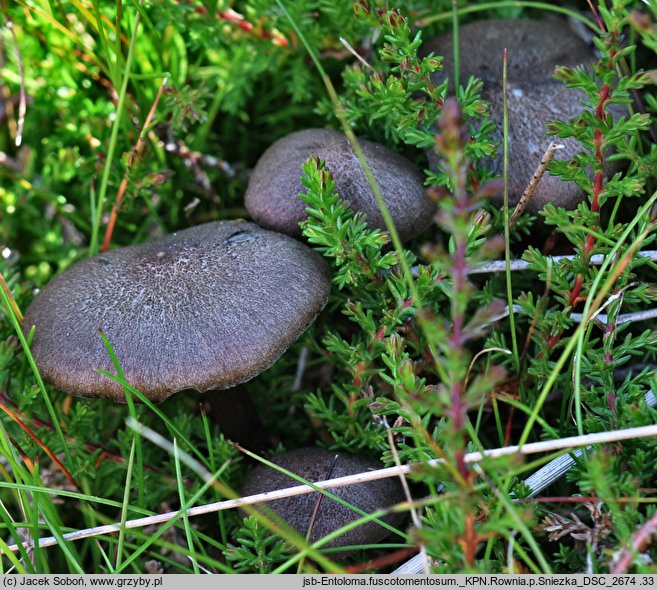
{"points": [[339, 233], [258, 550]]}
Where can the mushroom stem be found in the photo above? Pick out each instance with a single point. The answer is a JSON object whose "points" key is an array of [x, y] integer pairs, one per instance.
{"points": [[233, 411]]}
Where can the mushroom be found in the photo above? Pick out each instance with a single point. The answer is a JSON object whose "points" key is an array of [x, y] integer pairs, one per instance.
{"points": [[315, 464], [237, 417], [272, 194], [534, 49], [534, 98], [205, 308]]}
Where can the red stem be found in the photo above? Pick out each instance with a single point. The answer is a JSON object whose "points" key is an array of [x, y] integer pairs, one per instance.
{"points": [[598, 187], [640, 541], [131, 160]]}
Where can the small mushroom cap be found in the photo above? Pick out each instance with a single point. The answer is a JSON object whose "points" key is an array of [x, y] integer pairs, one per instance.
{"points": [[534, 98], [205, 308], [272, 195], [314, 464]]}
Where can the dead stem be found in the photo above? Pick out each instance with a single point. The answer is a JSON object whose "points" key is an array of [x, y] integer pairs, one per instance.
{"points": [[517, 265], [22, 105], [415, 517], [533, 183], [353, 52], [131, 160], [530, 448]]}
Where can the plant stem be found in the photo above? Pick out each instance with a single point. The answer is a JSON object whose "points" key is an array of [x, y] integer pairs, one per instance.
{"points": [[133, 156], [530, 448], [507, 222], [440, 16], [120, 107]]}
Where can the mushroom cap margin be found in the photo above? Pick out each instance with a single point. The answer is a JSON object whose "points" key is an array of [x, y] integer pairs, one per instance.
{"points": [[204, 308]]}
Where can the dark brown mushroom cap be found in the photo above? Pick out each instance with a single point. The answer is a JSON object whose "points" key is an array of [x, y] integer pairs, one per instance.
{"points": [[272, 195], [207, 307], [534, 48], [314, 464], [530, 108]]}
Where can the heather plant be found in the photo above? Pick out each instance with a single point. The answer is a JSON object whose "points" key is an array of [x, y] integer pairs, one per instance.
{"points": [[122, 123]]}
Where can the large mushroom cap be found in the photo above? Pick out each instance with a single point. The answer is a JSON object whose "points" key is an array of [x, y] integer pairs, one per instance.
{"points": [[207, 307], [531, 107], [535, 48], [314, 464], [272, 195]]}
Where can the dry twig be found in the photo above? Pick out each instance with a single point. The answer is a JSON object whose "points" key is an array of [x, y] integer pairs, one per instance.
{"points": [[530, 448], [133, 156], [533, 183], [22, 105]]}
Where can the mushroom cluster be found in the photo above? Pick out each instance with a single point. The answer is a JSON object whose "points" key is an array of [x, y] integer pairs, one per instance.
{"points": [[212, 306], [314, 464], [534, 98]]}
